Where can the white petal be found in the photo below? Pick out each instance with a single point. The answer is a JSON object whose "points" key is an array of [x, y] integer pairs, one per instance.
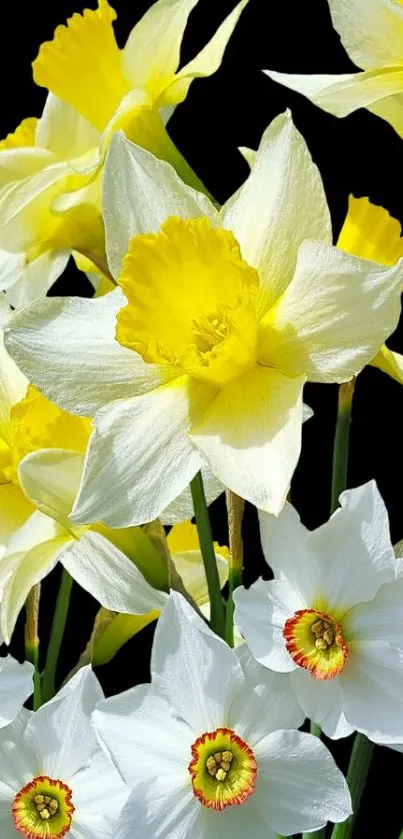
{"points": [[281, 204], [50, 479], [139, 722], [162, 808], [334, 315], [139, 193], [322, 702], [18, 763], [251, 436], [300, 787], [12, 268], [260, 613], [67, 348], [122, 483], [381, 619], [371, 31], [342, 94], [181, 508], [372, 684], [265, 702], [187, 666], [99, 795], [15, 687], [102, 569], [190, 568], [37, 277], [60, 733], [356, 536], [287, 552], [13, 385], [62, 130], [15, 509]]}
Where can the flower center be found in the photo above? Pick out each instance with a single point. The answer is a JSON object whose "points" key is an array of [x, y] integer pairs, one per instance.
{"points": [[223, 769], [314, 640], [43, 808], [190, 301]]}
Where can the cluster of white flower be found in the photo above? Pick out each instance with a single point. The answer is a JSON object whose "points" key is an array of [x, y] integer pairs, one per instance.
{"points": [[183, 377]]}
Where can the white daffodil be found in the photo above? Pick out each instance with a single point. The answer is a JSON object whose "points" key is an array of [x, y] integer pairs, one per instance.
{"points": [[223, 317], [50, 186], [15, 687], [371, 32], [214, 753], [333, 616], [55, 781]]}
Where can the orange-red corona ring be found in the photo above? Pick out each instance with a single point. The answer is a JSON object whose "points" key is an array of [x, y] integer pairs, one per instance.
{"points": [[43, 809], [314, 640], [223, 769]]}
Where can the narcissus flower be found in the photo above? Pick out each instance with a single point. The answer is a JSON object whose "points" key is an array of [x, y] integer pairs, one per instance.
{"points": [[15, 687], [213, 756], [371, 32], [202, 353], [333, 616], [54, 779], [50, 168]]}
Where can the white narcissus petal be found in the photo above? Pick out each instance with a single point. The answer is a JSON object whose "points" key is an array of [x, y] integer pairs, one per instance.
{"points": [[23, 201], [132, 172], [371, 30], [283, 539], [342, 94], [102, 569], [372, 684], [261, 613], [356, 536], [64, 131], [181, 508], [12, 268], [322, 702], [390, 109], [13, 384], [15, 509], [37, 277], [281, 203], [139, 457], [60, 731], [50, 478], [96, 813], [206, 62], [381, 619], [264, 703], [18, 764], [187, 664], [300, 787], [147, 813], [389, 362], [67, 348], [251, 436], [19, 163], [334, 315], [15, 687]]}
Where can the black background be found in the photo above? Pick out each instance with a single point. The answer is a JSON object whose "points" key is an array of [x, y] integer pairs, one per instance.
{"points": [[361, 155]]}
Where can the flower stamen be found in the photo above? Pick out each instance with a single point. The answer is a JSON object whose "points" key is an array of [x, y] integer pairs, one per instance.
{"points": [[315, 641], [223, 769]]}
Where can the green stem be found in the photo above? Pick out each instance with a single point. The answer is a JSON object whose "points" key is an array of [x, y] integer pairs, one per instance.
{"points": [[235, 507], [360, 761], [207, 551], [315, 729], [56, 636], [32, 639], [341, 441]]}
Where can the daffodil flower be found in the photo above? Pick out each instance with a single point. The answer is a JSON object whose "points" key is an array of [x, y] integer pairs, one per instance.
{"points": [[333, 616], [55, 781], [201, 355], [50, 184], [371, 32], [210, 758], [15, 687]]}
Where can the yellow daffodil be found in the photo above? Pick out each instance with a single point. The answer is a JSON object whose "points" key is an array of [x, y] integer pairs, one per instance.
{"points": [[202, 353], [371, 233], [50, 168], [371, 32]]}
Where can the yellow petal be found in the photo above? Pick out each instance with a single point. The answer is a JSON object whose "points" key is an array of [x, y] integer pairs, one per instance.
{"points": [[371, 233], [190, 301], [23, 136], [119, 630], [189, 565], [82, 65], [389, 362], [183, 537]]}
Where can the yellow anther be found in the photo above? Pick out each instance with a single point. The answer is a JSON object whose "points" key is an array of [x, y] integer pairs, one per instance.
{"points": [[321, 644], [47, 799], [226, 766], [328, 636], [227, 757], [53, 806], [218, 757], [39, 799], [211, 766], [44, 814], [220, 775], [317, 628]]}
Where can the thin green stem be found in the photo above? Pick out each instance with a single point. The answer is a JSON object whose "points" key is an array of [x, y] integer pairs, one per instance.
{"points": [[315, 729], [32, 639], [360, 761], [207, 551], [235, 507], [56, 636], [341, 441]]}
